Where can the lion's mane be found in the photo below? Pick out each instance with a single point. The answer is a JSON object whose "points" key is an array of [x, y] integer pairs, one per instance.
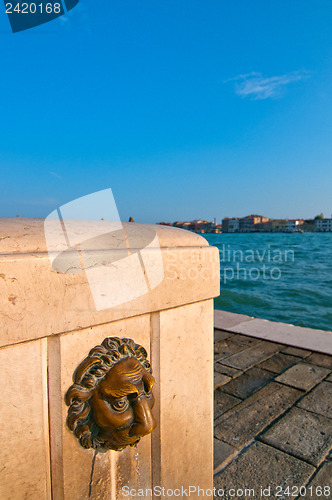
{"points": [[87, 377]]}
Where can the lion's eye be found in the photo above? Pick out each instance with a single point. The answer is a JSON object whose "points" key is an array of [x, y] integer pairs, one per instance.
{"points": [[120, 405]]}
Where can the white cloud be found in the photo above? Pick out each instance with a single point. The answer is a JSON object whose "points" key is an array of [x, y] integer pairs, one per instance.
{"points": [[54, 174], [258, 87]]}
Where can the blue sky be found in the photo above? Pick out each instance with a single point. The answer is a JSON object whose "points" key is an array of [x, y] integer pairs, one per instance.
{"points": [[185, 108]]}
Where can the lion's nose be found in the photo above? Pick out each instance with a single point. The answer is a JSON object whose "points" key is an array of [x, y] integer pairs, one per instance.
{"points": [[144, 422]]}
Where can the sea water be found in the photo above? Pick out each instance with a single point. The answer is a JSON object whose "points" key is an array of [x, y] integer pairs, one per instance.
{"points": [[277, 276]]}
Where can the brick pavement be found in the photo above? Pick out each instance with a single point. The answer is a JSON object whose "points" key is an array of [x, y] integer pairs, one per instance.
{"points": [[272, 420]]}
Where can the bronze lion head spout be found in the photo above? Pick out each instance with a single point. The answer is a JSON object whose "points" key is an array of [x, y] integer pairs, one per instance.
{"points": [[111, 399]]}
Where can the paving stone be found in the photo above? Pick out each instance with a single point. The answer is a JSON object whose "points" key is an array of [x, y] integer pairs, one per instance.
{"points": [[320, 360], [239, 425], [227, 370], [248, 383], [319, 400], [329, 378], [226, 347], [303, 434], [261, 466], [223, 402], [295, 351], [245, 340], [322, 479], [252, 355], [279, 362], [221, 335], [303, 376], [222, 454], [220, 379]]}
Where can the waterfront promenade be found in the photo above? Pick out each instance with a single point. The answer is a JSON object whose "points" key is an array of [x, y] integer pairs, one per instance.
{"points": [[272, 414]]}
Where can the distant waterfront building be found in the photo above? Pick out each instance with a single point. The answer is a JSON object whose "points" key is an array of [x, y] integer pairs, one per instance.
{"points": [[254, 223], [197, 226], [323, 225], [308, 226], [278, 225], [248, 223], [292, 225], [231, 225]]}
